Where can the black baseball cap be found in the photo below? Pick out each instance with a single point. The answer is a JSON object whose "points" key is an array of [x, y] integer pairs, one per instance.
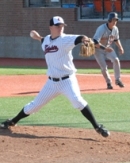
{"points": [[57, 20], [112, 15]]}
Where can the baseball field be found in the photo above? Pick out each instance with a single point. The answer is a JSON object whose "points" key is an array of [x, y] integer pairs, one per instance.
{"points": [[58, 133]]}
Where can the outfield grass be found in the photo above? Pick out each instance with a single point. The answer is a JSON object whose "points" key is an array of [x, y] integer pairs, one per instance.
{"points": [[22, 71], [39, 70]]}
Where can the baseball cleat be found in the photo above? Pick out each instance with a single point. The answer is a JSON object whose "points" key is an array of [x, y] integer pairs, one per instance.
{"points": [[103, 131], [119, 82], [6, 124], [109, 86]]}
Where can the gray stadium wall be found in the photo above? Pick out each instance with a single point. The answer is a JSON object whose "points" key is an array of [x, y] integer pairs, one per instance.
{"points": [[16, 22]]}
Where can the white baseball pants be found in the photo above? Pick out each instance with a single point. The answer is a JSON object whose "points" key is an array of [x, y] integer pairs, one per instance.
{"points": [[68, 87]]}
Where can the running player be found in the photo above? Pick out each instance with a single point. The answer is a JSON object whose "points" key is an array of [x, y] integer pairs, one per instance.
{"points": [[105, 35], [57, 48]]}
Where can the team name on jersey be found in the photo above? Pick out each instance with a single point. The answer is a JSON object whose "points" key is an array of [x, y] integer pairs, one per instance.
{"points": [[51, 49]]}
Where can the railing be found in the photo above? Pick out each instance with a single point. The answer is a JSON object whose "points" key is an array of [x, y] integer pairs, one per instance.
{"points": [[50, 3], [87, 9], [100, 9]]}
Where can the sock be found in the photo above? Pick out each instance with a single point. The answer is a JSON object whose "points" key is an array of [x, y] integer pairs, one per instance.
{"points": [[89, 115], [20, 115]]}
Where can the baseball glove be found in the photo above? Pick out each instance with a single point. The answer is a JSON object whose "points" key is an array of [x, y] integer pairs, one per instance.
{"points": [[87, 50]]}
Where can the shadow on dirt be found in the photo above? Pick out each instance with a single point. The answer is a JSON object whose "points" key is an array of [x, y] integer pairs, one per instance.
{"points": [[9, 133]]}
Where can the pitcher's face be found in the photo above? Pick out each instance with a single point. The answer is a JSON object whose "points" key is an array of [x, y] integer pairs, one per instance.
{"points": [[57, 30]]}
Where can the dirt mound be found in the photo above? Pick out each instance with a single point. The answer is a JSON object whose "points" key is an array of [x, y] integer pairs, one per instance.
{"points": [[27, 144]]}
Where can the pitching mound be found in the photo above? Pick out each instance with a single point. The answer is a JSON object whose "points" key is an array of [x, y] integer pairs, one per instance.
{"points": [[62, 145]]}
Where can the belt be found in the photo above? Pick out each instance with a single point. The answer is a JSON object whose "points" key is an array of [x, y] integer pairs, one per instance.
{"points": [[58, 79]]}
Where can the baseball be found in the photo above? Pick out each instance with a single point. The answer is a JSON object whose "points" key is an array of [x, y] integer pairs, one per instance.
{"points": [[31, 34]]}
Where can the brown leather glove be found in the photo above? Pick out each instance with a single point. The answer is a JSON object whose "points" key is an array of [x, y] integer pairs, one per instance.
{"points": [[87, 49]]}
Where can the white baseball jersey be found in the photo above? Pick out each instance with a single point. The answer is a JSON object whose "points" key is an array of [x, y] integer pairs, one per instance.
{"points": [[59, 59], [58, 55]]}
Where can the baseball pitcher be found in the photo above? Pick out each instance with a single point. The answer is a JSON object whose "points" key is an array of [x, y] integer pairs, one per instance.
{"points": [[57, 47]]}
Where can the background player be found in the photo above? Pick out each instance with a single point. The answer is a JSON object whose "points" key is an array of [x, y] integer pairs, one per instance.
{"points": [[105, 35], [57, 48]]}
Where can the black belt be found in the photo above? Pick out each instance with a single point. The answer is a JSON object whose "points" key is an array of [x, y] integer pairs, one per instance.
{"points": [[58, 79]]}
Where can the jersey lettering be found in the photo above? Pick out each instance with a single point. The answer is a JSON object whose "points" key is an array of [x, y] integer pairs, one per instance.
{"points": [[51, 49], [111, 39]]}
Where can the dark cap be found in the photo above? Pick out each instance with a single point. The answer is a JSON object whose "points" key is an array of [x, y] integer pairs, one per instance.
{"points": [[112, 15], [57, 20]]}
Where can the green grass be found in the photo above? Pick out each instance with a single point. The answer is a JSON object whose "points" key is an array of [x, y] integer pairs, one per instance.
{"points": [[40, 70], [112, 110], [22, 71], [98, 71]]}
